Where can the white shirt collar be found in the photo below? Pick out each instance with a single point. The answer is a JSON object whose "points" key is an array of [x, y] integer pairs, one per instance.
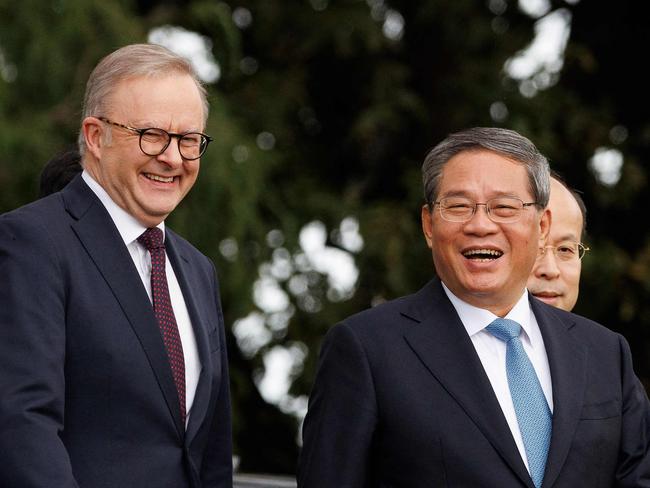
{"points": [[476, 319], [128, 227]]}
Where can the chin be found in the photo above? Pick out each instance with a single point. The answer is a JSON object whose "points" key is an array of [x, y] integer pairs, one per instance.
{"points": [[161, 211], [484, 286]]}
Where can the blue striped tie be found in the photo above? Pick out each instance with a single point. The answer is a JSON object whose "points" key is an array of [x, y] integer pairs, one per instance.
{"points": [[533, 414]]}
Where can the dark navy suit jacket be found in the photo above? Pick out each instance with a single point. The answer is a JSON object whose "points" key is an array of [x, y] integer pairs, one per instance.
{"points": [[87, 396], [401, 399]]}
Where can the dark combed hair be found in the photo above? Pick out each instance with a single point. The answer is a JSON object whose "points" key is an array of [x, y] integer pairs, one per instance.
{"points": [[59, 171]]}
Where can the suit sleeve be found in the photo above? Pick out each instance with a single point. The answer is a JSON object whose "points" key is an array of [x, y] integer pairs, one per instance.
{"points": [[634, 460], [217, 459], [32, 359], [342, 416]]}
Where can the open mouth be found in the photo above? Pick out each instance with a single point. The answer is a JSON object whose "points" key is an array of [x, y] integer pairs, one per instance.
{"points": [[162, 179], [482, 254]]}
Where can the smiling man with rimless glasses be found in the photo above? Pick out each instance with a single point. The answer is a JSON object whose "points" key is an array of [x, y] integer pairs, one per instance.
{"points": [[471, 381], [112, 349], [555, 278]]}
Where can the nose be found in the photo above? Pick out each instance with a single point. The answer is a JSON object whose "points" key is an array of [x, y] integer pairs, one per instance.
{"points": [[546, 266], [480, 223], [171, 155]]}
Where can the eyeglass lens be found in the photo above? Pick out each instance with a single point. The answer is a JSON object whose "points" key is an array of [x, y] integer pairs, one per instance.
{"points": [[503, 209], [155, 141], [566, 251]]}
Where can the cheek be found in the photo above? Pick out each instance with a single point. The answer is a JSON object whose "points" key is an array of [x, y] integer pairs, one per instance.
{"points": [[524, 248], [528, 243], [188, 182], [443, 247], [442, 252], [573, 276], [191, 173], [523, 256], [116, 172]]}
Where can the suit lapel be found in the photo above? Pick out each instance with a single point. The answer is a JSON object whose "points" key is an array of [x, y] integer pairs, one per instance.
{"points": [[442, 344], [567, 361], [102, 241], [185, 274]]}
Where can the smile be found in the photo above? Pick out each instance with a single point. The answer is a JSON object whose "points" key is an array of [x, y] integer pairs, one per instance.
{"points": [[482, 254], [163, 179]]}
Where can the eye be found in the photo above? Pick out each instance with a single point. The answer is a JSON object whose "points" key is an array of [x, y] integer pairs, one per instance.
{"points": [[505, 207], [154, 136], [566, 250], [456, 203], [456, 207], [191, 139]]}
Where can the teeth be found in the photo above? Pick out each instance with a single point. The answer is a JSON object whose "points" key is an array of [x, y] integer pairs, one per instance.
{"points": [[484, 253], [169, 179]]}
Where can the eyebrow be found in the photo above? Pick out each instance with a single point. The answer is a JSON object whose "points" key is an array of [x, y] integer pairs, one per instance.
{"points": [[151, 125]]}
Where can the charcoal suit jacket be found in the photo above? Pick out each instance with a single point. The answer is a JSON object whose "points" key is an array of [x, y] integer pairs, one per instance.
{"points": [[87, 397], [401, 399]]}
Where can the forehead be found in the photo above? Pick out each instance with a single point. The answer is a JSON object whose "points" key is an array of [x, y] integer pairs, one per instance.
{"points": [[566, 217], [483, 173], [158, 99]]}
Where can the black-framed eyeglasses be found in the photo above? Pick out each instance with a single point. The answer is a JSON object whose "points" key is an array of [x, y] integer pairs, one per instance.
{"points": [[566, 251], [502, 210], [154, 141]]}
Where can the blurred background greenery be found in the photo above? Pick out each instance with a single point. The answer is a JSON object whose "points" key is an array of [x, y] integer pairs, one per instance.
{"points": [[322, 111]]}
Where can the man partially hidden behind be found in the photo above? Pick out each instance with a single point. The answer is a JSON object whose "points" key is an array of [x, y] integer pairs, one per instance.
{"points": [[555, 278], [59, 171], [112, 351], [471, 382]]}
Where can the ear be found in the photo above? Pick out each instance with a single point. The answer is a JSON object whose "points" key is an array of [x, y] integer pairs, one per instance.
{"points": [[544, 224], [427, 224], [91, 128]]}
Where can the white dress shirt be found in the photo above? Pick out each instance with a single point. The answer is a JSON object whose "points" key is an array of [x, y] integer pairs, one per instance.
{"points": [[492, 353], [130, 229]]}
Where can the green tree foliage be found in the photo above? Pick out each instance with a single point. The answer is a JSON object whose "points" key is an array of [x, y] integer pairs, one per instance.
{"points": [[324, 110]]}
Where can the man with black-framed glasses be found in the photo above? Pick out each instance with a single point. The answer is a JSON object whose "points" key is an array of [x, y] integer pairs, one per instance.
{"points": [[112, 344], [555, 278]]}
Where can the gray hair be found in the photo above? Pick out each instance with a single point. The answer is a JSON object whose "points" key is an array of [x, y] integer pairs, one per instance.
{"points": [[132, 61], [505, 142]]}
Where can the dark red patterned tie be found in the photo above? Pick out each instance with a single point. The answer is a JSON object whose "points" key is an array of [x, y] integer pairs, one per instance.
{"points": [[152, 239]]}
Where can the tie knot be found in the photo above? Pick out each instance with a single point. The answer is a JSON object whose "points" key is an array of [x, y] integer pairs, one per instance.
{"points": [[504, 329], [152, 239]]}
